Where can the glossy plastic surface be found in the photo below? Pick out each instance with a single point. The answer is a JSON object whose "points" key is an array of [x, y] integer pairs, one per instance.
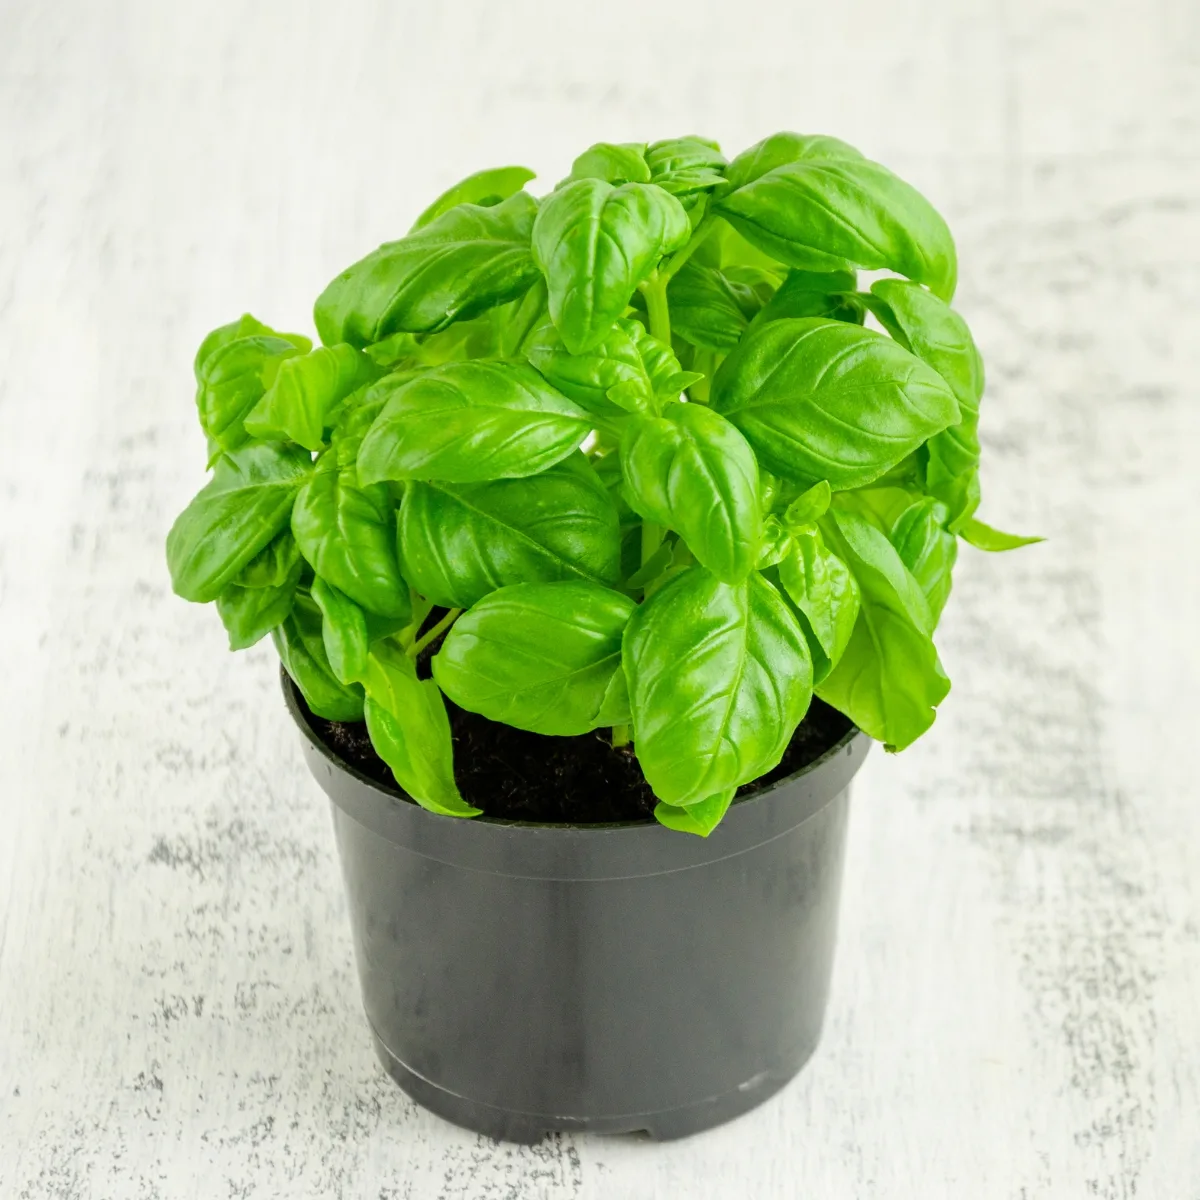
{"points": [[523, 978]]}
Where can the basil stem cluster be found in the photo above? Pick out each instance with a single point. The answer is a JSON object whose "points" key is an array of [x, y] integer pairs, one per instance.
{"points": [[630, 444]]}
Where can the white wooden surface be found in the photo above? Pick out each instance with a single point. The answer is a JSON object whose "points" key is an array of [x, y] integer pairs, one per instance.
{"points": [[1016, 1010]]}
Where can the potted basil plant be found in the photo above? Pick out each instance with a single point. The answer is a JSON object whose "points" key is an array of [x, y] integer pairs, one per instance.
{"points": [[597, 538]]}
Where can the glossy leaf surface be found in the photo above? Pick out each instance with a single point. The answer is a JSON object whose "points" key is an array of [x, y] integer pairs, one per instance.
{"points": [[301, 649], [486, 188], [823, 589]]}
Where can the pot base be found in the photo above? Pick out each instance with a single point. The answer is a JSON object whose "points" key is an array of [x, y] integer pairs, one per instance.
{"points": [[505, 1125]]}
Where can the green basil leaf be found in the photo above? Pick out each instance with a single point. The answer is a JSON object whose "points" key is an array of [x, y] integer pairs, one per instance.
{"points": [[232, 379], [301, 649], [889, 681], [686, 165], [822, 399], [622, 162], [984, 537], [813, 212], [719, 677], [927, 550], [466, 261], [538, 656], [461, 541], [468, 422], [250, 613], [822, 588], [595, 243], [587, 378], [347, 534], [485, 188], [814, 294], [394, 351], [343, 632], [809, 506], [661, 363], [273, 565], [406, 718], [238, 512], [700, 818], [935, 333], [776, 543], [246, 326], [307, 391], [692, 471], [779, 150], [519, 322], [705, 310]]}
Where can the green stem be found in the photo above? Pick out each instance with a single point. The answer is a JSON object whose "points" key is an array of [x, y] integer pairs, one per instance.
{"points": [[655, 291], [620, 736], [436, 632], [676, 261]]}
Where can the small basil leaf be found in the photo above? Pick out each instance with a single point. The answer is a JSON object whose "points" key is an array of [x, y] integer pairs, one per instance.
{"points": [[595, 243], [984, 537], [246, 326], [301, 649], [588, 378], [273, 565], [927, 550], [232, 379], [343, 632], [468, 422], [822, 399], [486, 188], [776, 543], [250, 613], [346, 533], [719, 678], [538, 656], [520, 321], [822, 588], [686, 165], [460, 541], [692, 471], [814, 294], [935, 333], [889, 681], [406, 718], [812, 212], [246, 503], [704, 308], [307, 391], [809, 506], [622, 162], [466, 261], [782, 148], [700, 818]]}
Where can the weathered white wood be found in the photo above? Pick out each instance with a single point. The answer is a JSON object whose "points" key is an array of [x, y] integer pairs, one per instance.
{"points": [[1017, 998]]}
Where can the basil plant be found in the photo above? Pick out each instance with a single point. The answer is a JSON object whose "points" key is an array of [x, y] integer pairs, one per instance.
{"points": [[629, 446]]}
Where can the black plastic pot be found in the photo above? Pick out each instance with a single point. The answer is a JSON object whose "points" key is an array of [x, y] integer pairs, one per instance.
{"points": [[523, 978]]}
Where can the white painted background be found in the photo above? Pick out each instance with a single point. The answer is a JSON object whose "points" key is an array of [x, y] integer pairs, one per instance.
{"points": [[1016, 1009]]}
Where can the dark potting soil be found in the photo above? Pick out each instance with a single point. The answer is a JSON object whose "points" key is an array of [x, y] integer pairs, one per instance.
{"points": [[514, 775]]}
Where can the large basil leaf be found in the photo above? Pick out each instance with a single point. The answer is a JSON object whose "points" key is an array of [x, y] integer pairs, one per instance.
{"points": [[889, 681], [719, 677], [822, 588], [780, 149], [301, 649], [595, 243], [409, 729], [813, 212], [245, 326], [822, 399], [245, 504], [460, 541], [306, 393], [486, 188], [927, 550], [686, 165], [622, 162], [692, 471], [540, 656], [935, 333], [468, 422], [467, 260], [346, 533], [705, 309], [250, 613], [232, 379]]}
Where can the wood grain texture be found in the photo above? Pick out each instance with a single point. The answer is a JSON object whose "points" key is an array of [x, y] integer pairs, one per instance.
{"points": [[1016, 1008]]}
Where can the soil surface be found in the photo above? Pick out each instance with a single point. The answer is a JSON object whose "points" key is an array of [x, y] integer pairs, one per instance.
{"points": [[520, 776]]}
